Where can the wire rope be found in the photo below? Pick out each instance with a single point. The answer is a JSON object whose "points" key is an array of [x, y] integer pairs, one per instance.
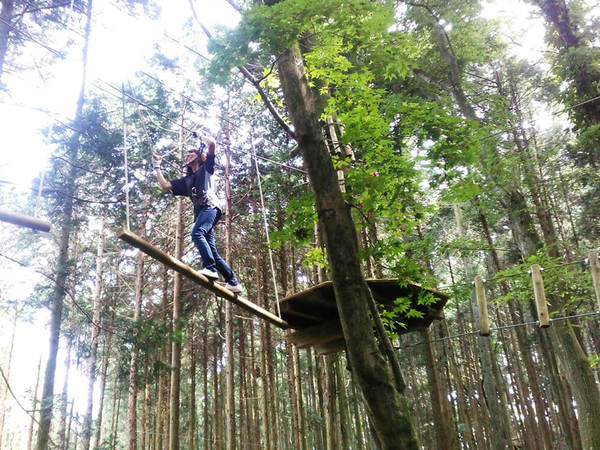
{"points": [[266, 224]]}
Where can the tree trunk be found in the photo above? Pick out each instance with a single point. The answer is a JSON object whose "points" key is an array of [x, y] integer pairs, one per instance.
{"points": [[7, 374], [62, 264], [5, 30], [444, 434], [492, 390], [34, 406], [192, 394], [205, 410], [345, 431], [381, 387], [229, 385], [329, 403], [86, 432], [134, 363], [107, 349]]}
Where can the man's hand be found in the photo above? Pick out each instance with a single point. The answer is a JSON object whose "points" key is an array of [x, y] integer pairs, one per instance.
{"points": [[156, 161]]}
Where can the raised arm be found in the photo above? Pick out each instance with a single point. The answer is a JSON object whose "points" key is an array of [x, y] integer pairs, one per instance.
{"points": [[210, 145], [164, 183]]}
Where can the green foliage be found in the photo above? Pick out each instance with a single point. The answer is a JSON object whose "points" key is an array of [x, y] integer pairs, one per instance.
{"points": [[300, 219], [316, 257], [393, 318]]}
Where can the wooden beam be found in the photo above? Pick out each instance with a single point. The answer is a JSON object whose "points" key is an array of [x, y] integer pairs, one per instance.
{"points": [[318, 334], [23, 220], [540, 296], [198, 278], [484, 321], [291, 312], [331, 347]]}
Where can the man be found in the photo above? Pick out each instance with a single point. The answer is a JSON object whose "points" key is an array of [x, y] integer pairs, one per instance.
{"points": [[198, 186]]}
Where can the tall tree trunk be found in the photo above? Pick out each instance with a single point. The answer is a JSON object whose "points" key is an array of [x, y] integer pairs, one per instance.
{"points": [[273, 416], [135, 352], [177, 323], [345, 431], [192, 394], [107, 349], [34, 406], [205, 412], [492, 390], [229, 385], [382, 387], [7, 374], [62, 264], [87, 419], [444, 434]]}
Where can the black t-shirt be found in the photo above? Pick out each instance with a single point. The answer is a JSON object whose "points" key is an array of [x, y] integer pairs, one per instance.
{"points": [[198, 186]]}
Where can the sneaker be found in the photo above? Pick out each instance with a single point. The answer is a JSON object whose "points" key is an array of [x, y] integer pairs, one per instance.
{"points": [[211, 274], [235, 288]]}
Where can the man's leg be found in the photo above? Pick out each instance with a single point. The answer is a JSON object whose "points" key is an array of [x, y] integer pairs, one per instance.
{"points": [[200, 232], [220, 263]]}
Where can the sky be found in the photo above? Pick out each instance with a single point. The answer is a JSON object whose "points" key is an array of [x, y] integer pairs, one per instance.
{"points": [[119, 47]]}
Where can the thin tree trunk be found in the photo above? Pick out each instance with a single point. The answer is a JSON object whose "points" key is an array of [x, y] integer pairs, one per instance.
{"points": [[320, 387], [34, 405], [292, 382], [205, 410], [492, 391], [7, 374], [330, 404], [444, 435], [256, 434], [177, 323], [96, 309], [345, 428], [63, 267], [68, 436], [134, 363], [192, 394], [107, 349], [229, 385]]}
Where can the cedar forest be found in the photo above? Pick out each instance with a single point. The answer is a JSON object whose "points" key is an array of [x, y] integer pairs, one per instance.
{"points": [[356, 139]]}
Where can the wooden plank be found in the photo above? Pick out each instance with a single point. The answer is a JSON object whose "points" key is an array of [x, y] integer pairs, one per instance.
{"points": [[198, 278], [540, 296], [23, 220], [484, 320], [318, 334]]}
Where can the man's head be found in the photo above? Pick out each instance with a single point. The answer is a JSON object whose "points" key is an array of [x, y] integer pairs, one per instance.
{"points": [[194, 159], [195, 155]]}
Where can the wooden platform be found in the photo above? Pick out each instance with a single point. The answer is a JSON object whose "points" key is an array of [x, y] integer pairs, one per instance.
{"points": [[313, 312]]}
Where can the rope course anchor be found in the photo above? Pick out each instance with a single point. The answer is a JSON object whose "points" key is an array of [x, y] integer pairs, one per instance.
{"points": [[23, 220], [198, 278]]}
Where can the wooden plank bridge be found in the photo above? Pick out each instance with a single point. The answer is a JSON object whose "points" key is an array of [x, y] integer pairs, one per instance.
{"points": [[312, 313]]}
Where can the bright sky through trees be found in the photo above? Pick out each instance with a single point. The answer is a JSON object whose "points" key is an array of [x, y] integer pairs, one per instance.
{"points": [[120, 45]]}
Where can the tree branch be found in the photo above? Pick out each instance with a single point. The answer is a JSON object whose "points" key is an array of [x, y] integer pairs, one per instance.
{"points": [[234, 5], [268, 103]]}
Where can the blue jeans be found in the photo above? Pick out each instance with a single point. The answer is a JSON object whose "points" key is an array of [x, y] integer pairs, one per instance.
{"points": [[203, 237]]}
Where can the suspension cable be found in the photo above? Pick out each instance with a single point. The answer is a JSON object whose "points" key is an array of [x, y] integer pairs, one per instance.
{"points": [[264, 214]]}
